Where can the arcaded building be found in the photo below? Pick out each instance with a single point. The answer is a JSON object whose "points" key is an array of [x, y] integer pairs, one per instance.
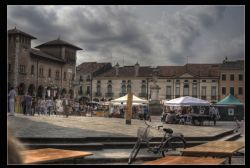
{"points": [[46, 70]]}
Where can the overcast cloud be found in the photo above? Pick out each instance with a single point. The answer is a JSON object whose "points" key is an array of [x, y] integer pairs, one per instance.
{"points": [[152, 35]]}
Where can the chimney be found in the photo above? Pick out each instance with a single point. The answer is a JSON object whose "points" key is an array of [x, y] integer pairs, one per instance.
{"points": [[117, 69], [137, 66]]}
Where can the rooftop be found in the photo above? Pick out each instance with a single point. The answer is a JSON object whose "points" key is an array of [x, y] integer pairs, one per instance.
{"points": [[17, 31], [128, 71], [58, 42], [91, 67], [39, 53]]}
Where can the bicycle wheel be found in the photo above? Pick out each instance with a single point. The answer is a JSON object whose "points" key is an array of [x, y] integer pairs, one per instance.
{"points": [[134, 152], [173, 146]]}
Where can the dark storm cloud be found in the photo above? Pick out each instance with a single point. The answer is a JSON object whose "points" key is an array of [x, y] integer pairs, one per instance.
{"points": [[37, 20], [184, 27], [111, 33]]}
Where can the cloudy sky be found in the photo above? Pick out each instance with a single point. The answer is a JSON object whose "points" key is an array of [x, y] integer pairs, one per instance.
{"points": [[150, 34]]}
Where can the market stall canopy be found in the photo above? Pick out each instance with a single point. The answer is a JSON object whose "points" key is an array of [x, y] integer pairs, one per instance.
{"points": [[124, 100], [229, 100], [187, 101]]}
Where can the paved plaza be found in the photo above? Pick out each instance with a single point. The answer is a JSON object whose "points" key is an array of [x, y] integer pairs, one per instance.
{"points": [[78, 126]]}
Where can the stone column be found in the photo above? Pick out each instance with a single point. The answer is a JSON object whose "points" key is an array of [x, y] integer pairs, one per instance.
{"points": [[16, 68]]}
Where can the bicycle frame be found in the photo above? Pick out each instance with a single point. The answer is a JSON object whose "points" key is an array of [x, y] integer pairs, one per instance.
{"points": [[161, 147]]}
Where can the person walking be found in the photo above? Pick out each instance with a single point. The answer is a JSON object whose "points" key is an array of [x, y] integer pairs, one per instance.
{"points": [[12, 96], [66, 106], [28, 103], [122, 110]]}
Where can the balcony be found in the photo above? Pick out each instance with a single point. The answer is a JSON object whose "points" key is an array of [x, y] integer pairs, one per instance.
{"points": [[109, 94], [98, 94], [213, 97], [122, 94], [168, 96], [204, 97], [143, 95]]}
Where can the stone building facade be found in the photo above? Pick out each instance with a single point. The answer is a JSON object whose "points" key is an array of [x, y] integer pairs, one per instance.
{"points": [[48, 70], [232, 79], [197, 80], [117, 81], [85, 72]]}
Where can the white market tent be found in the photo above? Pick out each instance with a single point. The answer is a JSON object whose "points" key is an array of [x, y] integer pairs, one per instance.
{"points": [[186, 101], [136, 100]]}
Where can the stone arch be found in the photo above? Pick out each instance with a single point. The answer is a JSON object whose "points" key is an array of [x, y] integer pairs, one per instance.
{"points": [[21, 89], [31, 89], [63, 92], [71, 93], [40, 91]]}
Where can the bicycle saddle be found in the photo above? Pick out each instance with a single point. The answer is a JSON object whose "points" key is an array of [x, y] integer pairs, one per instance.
{"points": [[168, 130]]}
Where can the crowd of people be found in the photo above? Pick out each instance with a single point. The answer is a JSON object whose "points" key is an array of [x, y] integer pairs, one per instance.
{"points": [[48, 106], [182, 115]]}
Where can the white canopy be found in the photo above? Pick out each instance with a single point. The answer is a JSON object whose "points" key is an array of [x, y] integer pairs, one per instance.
{"points": [[124, 100], [187, 101]]}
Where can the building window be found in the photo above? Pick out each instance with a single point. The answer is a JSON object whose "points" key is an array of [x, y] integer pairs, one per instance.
{"points": [[99, 82], [186, 90], [57, 75], [213, 81], [129, 88], [223, 90], [168, 94], [49, 74], [223, 77], [168, 80], [213, 92], [240, 77], [40, 72], [88, 90], [231, 77], [64, 76], [194, 90], [32, 70], [194, 81], [143, 81], [177, 91], [73, 76], [109, 88], [232, 90], [22, 69], [178, 81], [185, 80], [143, 89], [123, 89], [80, 91], [109, 81], [9, 68], [203, 92], [98, 89], [240, 91], [203, 80], [80, 78]]}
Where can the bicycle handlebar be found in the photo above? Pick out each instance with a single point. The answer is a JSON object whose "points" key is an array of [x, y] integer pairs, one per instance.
{"points": [[157, 126]]}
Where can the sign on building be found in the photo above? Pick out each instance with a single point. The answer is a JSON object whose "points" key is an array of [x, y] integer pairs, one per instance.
{"points": [[231, 111]]}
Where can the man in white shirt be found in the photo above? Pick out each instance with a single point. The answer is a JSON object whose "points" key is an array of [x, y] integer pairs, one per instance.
{"points": [[12, 96]]}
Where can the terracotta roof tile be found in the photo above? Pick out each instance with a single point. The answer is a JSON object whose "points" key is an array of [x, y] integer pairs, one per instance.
{"points": [[203, 70], [128, 71], [91, 67]]}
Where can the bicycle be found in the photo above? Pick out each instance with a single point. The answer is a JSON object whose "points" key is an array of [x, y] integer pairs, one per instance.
{"points": [[169, 141]]}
